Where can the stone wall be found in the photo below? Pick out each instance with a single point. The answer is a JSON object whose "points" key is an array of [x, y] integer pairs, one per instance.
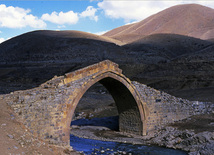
{"points": [[39, 109], [164, 108]]}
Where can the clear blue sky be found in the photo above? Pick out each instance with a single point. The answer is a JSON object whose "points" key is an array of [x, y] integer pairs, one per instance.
{"points": [[17, 17]]}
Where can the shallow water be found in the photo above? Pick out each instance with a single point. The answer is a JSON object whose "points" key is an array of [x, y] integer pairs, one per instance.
{"points": [[89, 146]]}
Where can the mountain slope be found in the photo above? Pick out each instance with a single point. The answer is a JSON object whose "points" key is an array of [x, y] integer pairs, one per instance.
{"points": [[180, 65], [52, 45], [167, 46], [190, 19], [34, 57]]}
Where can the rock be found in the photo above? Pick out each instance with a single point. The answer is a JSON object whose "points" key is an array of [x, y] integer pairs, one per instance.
{"points": [[94, 128], [22, 144], [211, 124], [202, 138], [75, 127], [15, 147], [10, 136]]}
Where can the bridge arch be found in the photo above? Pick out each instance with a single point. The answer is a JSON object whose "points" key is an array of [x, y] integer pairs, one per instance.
{"points": [[132, 112]]}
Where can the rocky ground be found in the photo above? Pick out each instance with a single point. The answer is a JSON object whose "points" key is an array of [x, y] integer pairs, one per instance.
{"points": [[15, 139], [194, 134]]}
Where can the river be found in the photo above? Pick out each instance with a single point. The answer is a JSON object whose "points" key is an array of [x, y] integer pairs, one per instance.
{"points": [[89, 146]]}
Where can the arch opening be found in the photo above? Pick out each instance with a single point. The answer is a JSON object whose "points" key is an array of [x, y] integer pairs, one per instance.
{"points": [[130, 119], [96, 108], [129, 115]]}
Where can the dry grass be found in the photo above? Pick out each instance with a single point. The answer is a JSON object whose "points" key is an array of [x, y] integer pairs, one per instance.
{"points": [[198, 123], [190, 19]]}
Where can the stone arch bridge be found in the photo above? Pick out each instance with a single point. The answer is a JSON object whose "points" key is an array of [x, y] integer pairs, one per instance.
{"points": [[47, 110]]}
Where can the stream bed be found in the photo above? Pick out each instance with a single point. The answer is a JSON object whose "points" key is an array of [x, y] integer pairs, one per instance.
{"points": [[90, 146]]}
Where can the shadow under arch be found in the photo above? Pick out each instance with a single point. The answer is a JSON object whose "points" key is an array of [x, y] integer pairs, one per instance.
{"points": [[132, 115]]}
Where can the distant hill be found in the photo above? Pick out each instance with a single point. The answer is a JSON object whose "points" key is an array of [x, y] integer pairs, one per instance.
{"points": [[180, 65], [34, 57], [190, 19], [165, 47], [52, 46]]}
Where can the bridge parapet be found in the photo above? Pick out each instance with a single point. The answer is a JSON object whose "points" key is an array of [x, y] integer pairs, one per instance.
{"points": [[93, 69]]}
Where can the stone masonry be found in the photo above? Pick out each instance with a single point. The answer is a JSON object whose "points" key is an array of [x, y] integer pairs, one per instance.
{"points": [[164, 109], [47, 110]]}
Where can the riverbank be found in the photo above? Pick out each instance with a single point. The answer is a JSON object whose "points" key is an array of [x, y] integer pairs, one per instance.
{"points": [[194, 135], [97, 147]]}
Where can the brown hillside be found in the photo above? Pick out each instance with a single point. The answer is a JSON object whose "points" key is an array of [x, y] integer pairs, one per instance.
{"points": [[167, 45], [190, 19], [34, 57], [179, 65], [76, 34]]}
